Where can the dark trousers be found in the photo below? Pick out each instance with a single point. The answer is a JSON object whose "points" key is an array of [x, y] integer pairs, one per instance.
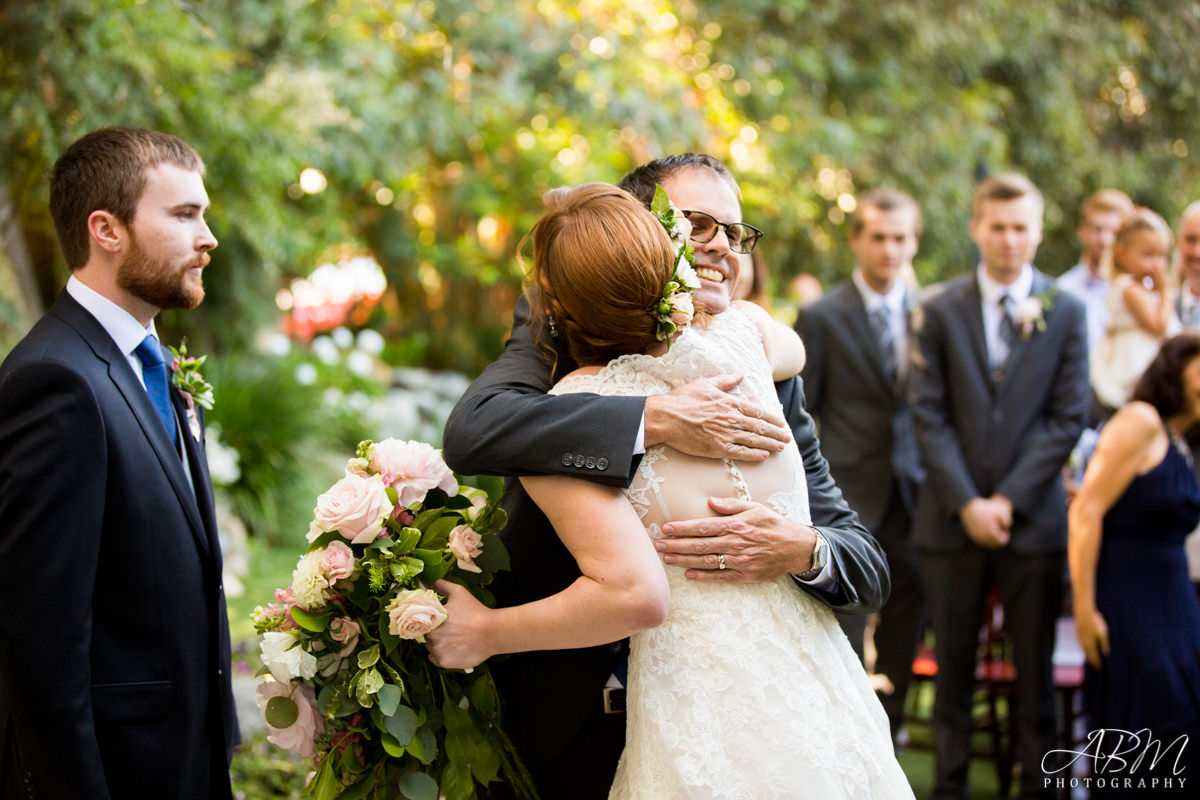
{"points": [[585, 767], [900, 620], [1031, 590]]}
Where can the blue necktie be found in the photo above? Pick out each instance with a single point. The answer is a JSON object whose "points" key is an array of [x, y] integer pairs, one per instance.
{"points": [[154, 375]]}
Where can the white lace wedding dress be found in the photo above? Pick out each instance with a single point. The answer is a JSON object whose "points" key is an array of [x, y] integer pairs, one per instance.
{"points": [[746, 691]]}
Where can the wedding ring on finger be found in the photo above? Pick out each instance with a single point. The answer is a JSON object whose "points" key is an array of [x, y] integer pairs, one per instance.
{"points": [[720, 561]]}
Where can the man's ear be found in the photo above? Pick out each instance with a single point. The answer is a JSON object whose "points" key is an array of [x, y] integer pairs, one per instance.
{"points": [[107, 232]]}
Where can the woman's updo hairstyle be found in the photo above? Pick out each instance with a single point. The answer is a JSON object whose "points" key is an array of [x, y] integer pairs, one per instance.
{"points": [[600, 262]]}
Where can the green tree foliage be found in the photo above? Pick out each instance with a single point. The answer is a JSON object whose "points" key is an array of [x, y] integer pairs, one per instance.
{"points": [[437, 125]]}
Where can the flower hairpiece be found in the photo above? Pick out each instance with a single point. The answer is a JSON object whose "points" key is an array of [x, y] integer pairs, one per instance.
{"points": [[190, 384], [674, 308]]}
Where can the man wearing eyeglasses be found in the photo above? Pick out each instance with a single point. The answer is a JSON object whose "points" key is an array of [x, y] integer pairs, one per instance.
{"points": [[563, 707]]}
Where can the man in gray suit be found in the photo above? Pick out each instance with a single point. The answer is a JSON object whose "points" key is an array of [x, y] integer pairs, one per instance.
{"points": [[855, 376], [999, 390]]}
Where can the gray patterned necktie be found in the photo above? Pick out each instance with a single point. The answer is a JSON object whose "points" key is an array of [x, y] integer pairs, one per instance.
{"points": [[881, 322], [1008, 336]]}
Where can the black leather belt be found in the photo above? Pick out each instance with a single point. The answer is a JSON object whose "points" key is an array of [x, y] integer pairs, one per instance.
{"points": [[614, 700]]}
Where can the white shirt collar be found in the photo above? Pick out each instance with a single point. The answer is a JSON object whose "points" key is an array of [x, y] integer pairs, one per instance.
{"points": [[992, 290], [872, 299], [126, 331]]}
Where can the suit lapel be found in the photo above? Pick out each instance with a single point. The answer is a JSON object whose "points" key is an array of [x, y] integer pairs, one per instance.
{"points": [[131, 389], [201, 481], [972, 311], [864, 333]]}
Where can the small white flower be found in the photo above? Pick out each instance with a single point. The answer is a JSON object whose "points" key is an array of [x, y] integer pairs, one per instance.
{"points": [[1030, 315], [685, 273], [283, 655]]}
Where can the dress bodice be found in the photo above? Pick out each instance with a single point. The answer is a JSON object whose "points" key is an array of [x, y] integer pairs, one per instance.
{"points": [[673, 485], [1160, 507]]}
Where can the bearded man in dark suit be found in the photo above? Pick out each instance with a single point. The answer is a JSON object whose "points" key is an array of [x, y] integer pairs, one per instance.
{"points": [[560, 705], [855, 379], [999, 392], [114, 640]]}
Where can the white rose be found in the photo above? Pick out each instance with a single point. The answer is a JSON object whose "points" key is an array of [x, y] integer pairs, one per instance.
{"points": [[283, 655]]}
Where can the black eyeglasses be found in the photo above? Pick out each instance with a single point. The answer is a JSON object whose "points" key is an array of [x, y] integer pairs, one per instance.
{"points": [[742, 237]]}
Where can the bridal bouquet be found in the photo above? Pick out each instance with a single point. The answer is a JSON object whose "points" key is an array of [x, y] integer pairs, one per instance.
{"points": [[347, 676]]}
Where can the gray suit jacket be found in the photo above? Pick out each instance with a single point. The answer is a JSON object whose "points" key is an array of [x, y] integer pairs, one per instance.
{"points": [[980, 437], [864, 421]]}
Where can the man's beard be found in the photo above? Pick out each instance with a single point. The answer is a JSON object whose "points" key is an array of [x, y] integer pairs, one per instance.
{"points": [[158, 283]]}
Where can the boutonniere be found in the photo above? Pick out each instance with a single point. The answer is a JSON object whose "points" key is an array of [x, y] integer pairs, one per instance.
{"points": [[1031, 312], [195, 391]]}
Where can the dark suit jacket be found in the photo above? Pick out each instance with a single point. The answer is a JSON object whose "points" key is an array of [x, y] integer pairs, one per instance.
{"points": [[979, 437], [114, 640], [505, 424], [865, 423]]}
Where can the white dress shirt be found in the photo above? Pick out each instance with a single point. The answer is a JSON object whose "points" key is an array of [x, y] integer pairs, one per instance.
{"points": [[1093, 291], [991, 291], [894, 300], [118, 323]]}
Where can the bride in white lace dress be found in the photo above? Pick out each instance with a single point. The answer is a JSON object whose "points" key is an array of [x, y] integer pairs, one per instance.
{"points": [[745, 690]]}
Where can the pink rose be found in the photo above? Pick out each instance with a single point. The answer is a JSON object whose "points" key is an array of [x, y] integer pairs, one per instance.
{"points": [[466, 545], [355, 507], [297, 737], [414, 613], [682, 309], [345, 631], [412, 469], [337, 561]]}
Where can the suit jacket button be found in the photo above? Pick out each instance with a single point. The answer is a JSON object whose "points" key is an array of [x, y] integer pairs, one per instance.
{"points": [[590, 463], [601, 464], [579, 461], [567, 459]]}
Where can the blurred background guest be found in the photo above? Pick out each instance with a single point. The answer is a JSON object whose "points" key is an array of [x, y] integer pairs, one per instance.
{"points": [[1187, 267], [1136, 613], [1139, 308], [855, 379], [1099, 217]]}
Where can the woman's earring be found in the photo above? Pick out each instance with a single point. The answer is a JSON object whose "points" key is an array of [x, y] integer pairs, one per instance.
{"points": [[553, 328]]}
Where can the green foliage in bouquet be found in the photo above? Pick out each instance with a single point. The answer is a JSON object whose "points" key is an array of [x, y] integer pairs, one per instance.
{"points": [[349, 680]]}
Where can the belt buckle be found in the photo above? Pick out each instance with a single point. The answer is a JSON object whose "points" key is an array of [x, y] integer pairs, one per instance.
{"points": [[614, 700]]}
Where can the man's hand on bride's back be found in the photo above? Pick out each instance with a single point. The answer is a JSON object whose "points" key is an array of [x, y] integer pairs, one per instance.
{"points": [[751, 541], [703, 419]]}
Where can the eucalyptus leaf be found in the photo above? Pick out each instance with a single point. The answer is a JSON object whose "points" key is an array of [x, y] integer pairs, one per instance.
{"points": [[393, 748], [428, 744], [418, 786], [389, 699], [281, 712], [402, 723]]}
